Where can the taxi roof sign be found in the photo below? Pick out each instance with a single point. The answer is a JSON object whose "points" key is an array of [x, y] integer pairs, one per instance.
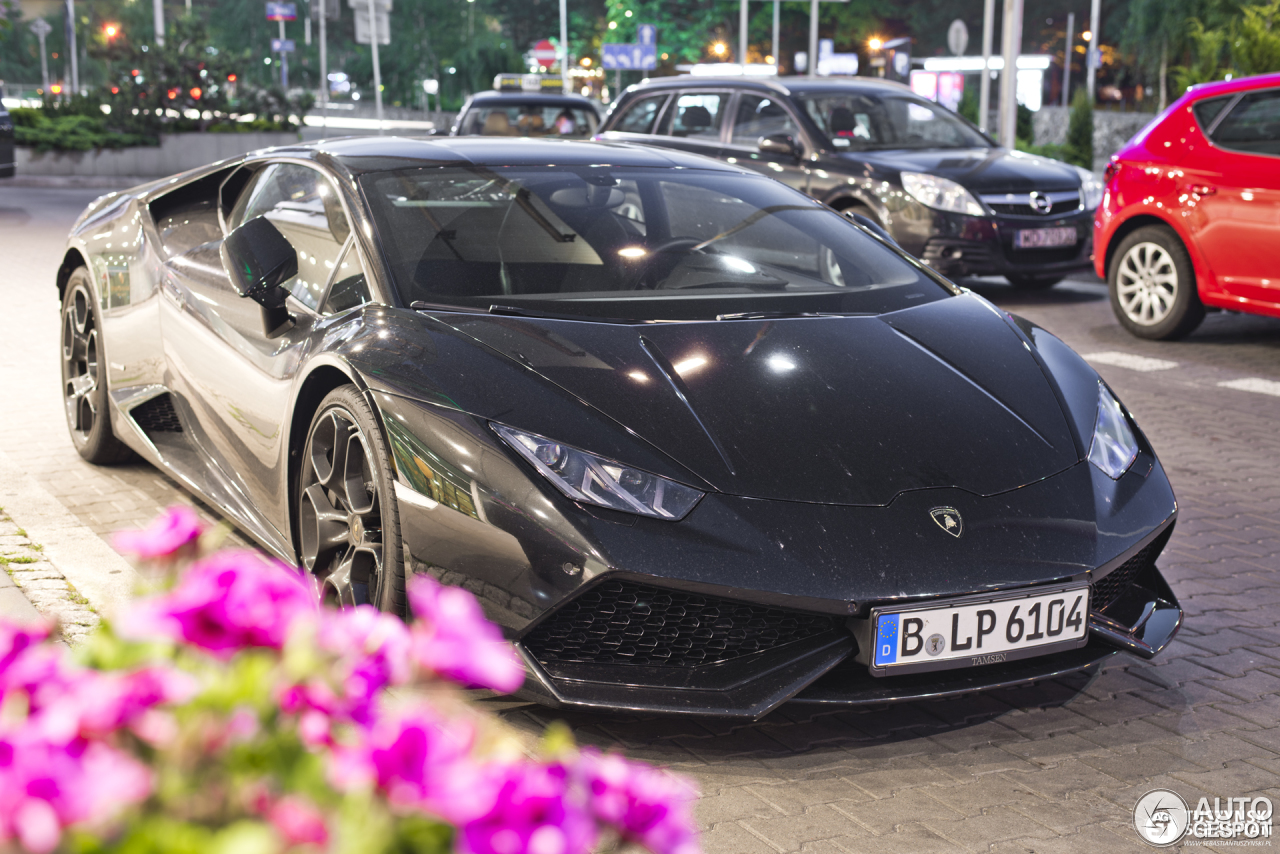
{"points": [[527, 83]]}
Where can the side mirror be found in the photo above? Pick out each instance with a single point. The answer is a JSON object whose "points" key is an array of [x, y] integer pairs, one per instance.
{"points": [[259, 259], [779, 143]]}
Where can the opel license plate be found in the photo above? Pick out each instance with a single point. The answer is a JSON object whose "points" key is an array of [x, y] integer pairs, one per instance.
{"points": [[1044, 238], [979, 630]]}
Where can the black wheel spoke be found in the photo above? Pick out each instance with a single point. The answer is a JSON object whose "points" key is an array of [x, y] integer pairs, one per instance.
{"points": [[80, 363], [339, 515]]}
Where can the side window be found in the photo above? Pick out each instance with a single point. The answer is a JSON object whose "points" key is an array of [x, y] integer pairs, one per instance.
{"points": [[1207, 110], [641, 116], [350, 284], [1253, 125], [302, 203], [759, 116], [699, 116]]}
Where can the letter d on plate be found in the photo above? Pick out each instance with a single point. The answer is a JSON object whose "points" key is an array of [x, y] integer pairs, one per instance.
{"points": [[887, 639]]}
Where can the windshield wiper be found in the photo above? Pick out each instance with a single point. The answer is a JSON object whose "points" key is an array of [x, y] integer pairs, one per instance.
{"points": [[777, 315]]}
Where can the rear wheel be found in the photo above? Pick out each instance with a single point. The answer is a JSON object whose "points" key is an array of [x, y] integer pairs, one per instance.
{"points": [[1025, 282], [348, 521], [84, 379], [1153, 285]]}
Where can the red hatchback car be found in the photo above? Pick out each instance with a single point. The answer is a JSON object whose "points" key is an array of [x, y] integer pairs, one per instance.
{"points": [[1191, 213]]}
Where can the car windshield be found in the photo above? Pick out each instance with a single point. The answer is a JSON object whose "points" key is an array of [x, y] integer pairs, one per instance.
{"points": [[862, 121], [555, 120], [630, 244]]}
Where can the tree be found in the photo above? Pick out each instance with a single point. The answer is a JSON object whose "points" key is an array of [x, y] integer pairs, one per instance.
{"points": [[1207, 49], [1255, 41], [1079, 146]]}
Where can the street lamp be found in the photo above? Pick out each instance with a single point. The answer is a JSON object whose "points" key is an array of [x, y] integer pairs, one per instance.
{"points": [[875, 43], [718, 48]]}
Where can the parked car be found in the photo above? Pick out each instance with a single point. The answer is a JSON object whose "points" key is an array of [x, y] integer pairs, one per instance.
{"points": [[700, 444], [944, 190], [1191, 215], [511, 110], [7, 155]]}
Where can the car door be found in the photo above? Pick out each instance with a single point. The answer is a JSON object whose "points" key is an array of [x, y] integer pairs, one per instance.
{"points": [[694, 121], [234, 373], [1235, 185], [755, 116]]}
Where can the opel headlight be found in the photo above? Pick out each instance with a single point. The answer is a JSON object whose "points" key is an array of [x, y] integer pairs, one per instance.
{"points": [[940, 193], [597, 480], [1114, 447], [1091, 189]]}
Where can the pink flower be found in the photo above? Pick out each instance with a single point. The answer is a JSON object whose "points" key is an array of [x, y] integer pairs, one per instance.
{"points": [[45, 787], [453, 639], [645, 804], [16, 638], [114, 700], [173, 531], [298, 821], [418, 761], [226, 602], [370, 652], [533, 812]]}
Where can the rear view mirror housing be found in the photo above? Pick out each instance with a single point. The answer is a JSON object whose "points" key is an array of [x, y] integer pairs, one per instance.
{"points": [[259, 260], [779, 143]]}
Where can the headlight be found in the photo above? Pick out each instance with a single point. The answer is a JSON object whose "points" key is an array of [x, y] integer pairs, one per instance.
{"points": [[596, 480], [1114, 448], [1091, 189], [940, 193]]}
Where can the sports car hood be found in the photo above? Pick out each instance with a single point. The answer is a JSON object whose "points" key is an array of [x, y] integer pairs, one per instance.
{"points": [[839, 410], [979, 170]]}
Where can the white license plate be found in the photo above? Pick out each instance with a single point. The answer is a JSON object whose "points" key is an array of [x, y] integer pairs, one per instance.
{"points": [[979, 630], [1044, 238]]}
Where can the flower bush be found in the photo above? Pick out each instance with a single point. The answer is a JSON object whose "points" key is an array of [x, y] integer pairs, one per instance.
{"points": [[231, 712]]}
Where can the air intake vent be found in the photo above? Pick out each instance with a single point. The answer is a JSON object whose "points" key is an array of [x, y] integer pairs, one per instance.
{"points": [[1112, 586], [157, 415], [622, 622]]}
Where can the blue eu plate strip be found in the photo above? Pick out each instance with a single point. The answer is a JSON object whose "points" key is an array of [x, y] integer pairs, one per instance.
{"points": [[887, 639]]}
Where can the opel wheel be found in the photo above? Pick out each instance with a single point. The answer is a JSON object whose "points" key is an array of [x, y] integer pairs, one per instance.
{"points": [[84, 383], [348, 524], [1153, 285]]}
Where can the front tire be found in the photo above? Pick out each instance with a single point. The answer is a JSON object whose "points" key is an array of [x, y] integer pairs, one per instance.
{"points": [[1026, 282], [348, 519], [1153, 285], [84, 378]]}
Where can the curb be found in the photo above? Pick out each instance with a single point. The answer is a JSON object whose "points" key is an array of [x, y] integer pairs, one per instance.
{"points": [[103, 577]]}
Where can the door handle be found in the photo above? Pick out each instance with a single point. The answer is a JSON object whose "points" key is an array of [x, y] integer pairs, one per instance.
{"points": [[1202, 190]]}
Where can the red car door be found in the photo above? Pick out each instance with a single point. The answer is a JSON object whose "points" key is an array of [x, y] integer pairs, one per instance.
{"points": [[1234, 190]]}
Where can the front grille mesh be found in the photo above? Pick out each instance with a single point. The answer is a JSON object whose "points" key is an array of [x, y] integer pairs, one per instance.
{"points": [[157, 415], [1112, 586], [623, 622], [1060, 207]]}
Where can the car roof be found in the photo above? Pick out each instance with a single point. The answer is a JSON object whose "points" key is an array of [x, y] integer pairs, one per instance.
{"points": [[532, 98], [1228, 87], [361, 154], [782, 85]]}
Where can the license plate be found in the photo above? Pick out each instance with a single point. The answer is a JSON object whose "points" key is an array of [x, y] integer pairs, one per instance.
{"points": [[979, 630], [1044, 238]]}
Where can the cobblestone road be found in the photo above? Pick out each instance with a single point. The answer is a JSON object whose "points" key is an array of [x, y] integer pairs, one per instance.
{"points": [[1056, 767]]}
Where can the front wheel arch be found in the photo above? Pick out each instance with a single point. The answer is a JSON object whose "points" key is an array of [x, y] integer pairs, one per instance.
{"points": [[317, 385]]}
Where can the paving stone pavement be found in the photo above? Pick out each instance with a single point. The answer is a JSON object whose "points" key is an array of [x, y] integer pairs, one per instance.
{"points": [[1054, 767], [27, 567]]}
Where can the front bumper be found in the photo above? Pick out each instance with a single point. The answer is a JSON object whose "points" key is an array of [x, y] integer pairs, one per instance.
{"points": [[960, 245], [821, 670], [747, 604]]}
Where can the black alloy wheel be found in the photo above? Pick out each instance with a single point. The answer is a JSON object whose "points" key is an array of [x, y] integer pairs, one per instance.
{"points": [[84, 381], [1027, 282], [348, 523]]}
